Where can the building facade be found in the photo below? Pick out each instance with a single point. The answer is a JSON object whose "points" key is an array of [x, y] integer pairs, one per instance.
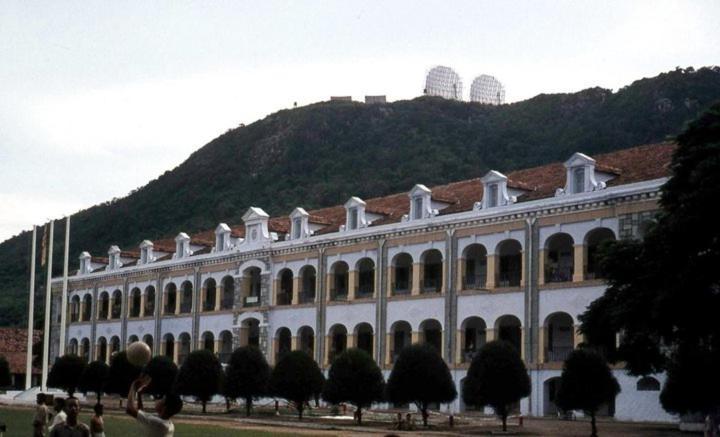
{"points": [[500, 257]]}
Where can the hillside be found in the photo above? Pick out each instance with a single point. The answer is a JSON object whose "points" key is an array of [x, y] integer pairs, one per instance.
{"points": [[320, 154]]}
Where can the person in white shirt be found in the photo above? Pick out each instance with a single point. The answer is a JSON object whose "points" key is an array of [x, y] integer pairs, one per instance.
{"points": [[60, 415], [167, 407]]}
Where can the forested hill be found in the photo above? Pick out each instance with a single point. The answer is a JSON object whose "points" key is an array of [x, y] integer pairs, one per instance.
{"points": [[321, 154]]}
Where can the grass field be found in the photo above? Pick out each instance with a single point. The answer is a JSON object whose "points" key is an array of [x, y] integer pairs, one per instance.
{"points": [[18, 422]]}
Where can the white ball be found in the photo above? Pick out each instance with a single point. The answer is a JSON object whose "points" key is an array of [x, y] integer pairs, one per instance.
{"points": [[138, 353]]}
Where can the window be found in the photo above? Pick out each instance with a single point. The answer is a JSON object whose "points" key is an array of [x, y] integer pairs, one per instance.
{"points": [[221, 242], [648, 383], [353, 218], [579, 180], [417, 208], [493, 193], [297, 227]]}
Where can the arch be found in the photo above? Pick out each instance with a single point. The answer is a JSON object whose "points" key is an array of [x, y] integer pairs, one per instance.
{"points": [[186, 297], [135, 301], [550, 390], [308, 280], [365, 338], [559, 258], [509, 265], [149, 301], [250, 332], [339, 273], [184, 350], [209, 294], [103, 310], [431, 333], [207, 341], [365, 278], [283, 343], [401, 274], [306, 342], [648, 383], [225, 347], [116, 307], [251, 284], [559, 338], [284, 294], [338, 341], [148, 340], [474, 265], [85, 349], [432, 271], [228, 293], [132, 339], [72, 347], [75, 309], [86, 309], [594, 241], [473, 333], [254, 263], [400, 338], [102, 349], [509, 328], [171, 298], [168, 344]]}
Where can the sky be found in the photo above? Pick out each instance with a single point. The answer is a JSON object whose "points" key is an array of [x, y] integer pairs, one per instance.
{"points": [[98, 98]]}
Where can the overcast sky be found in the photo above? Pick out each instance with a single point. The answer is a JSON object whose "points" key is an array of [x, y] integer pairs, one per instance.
{"points": [[98, 98]]}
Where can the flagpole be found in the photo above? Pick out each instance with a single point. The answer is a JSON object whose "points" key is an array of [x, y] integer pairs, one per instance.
{"points": [[63, 299], [46, 331], [31, 311]]}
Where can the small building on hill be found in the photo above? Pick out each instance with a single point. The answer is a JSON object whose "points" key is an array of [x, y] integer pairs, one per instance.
{"points": [[13, 346]]}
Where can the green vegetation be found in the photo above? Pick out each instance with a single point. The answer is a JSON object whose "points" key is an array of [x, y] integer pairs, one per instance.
{"points": [[66, 372], [297, 378], [321, 154], [5, 376], [247, 376], [94, 378], [200, 376]]}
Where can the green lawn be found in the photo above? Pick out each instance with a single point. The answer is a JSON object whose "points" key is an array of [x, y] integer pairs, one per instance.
{"points": [[19, 424]]}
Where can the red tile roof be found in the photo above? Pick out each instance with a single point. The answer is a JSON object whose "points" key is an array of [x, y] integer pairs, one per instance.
{"points": [[13, 346]]}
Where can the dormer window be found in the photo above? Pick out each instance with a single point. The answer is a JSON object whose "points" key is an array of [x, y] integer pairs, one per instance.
{"points": [[146, 252], [114, 258], [85, 266], [256, 226], [297, 228], [495, 190], [355, 214], [299, 224], [420, 202], [182, 245], [581, 176], [578, 180], [222, 238]]}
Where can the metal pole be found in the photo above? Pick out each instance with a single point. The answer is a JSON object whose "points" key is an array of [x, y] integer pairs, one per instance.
{"points": [[31, 310], [46, 330], [63, 299]]}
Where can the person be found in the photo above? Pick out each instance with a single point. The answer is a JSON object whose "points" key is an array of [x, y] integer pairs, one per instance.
{"points": [[40, 420], [72, 427], [166, 408], [97, 424], [60, 415]]}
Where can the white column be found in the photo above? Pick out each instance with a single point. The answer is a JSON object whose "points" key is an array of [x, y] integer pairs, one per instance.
{"points": [[46, 330], [31, 309], [63, 299]]}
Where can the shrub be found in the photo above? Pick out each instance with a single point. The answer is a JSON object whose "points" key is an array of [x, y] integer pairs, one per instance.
{"points": [[66, 372], [354, 377], [200, 376], [297, 378], [247, 375], [94, 378]]}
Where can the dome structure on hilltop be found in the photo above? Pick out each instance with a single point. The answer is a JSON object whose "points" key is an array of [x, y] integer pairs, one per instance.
{"points": [[488, 90], [443, 82]]}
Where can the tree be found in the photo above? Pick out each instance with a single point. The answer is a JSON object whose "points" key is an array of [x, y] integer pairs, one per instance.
{"points": [[586, 384], [163, 372], [200, 376], [420, 376], [296, 378], [66, 372], [354, 377], [664, 291], [5, 377], [121, 375], [94, 378], [247, 375], [497, 377]]}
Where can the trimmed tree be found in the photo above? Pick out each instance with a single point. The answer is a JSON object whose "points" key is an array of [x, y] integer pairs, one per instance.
{"points": [[66, 372], [200, 376], [420, 376], [121, 375], [247, 376], [586, 384], [163, 372], [692, 384], [354, 377], [296, 378], [5, 377], [497, 377], [94, 378]]}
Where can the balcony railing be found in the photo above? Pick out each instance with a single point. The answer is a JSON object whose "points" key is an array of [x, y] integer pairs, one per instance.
{"points": [[284, 298], [432, 285], [557, 353], [365, 290], [227, 303], [185, 307], [559, 274], [475, 282], [251, 301], [338, 294], [307, 296], [509, 279], [400, 288]]}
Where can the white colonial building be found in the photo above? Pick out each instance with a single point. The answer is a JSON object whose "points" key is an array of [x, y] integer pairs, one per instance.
{"points": [[510, 257]]}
